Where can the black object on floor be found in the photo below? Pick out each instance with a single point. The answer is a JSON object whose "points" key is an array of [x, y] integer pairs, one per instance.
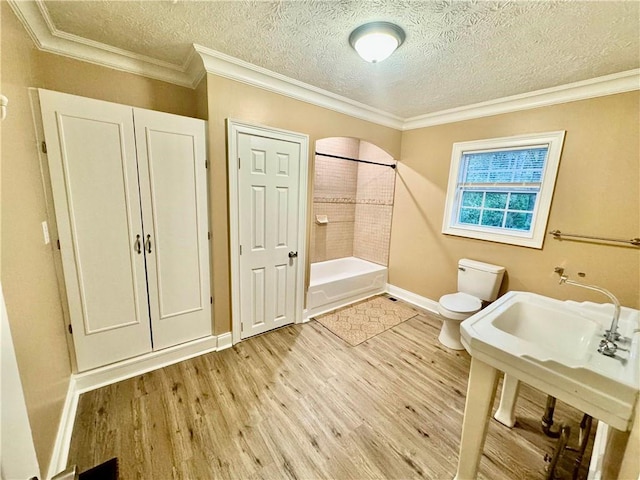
{"points": [[105, 471]]}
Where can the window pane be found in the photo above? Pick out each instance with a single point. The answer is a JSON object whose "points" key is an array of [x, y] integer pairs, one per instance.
{"points": [[522, 201], [519, 221], [472, 199], [508, 166], [495, 200], [470, 216], [492, 218]]}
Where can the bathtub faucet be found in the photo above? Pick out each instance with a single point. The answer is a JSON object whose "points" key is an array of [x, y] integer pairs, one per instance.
{"points": [[608, 345]]}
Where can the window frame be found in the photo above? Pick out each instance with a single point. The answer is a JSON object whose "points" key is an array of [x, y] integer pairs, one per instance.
{"points": [[533, 238]]}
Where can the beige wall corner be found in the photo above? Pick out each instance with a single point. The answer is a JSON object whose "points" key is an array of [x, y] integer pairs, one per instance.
{"points": [[597, 193], [238, 101], [202, 102], [28, 274], [34, 306]]}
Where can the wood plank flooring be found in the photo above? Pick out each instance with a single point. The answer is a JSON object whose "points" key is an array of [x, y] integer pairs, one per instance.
{"points": [[300, 403]]}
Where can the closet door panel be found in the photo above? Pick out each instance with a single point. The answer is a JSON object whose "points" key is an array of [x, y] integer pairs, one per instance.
{"points": [[91, 154], [171, 157]]}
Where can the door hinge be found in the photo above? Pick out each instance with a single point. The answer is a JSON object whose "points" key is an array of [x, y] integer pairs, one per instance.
{"points": [[58, 243], [43, 146], [206, 164], [208, 235], [238, 163], [70, 329], [211, 300], [240, 249]]}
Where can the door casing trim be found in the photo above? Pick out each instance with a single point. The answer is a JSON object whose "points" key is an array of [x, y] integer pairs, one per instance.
{"points": [[235, 128]]}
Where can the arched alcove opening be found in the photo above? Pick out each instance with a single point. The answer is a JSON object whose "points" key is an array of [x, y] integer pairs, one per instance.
{"points": [[351, 221]]}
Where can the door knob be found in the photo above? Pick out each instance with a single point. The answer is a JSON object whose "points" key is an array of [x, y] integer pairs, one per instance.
{"points": [[293, 254]]}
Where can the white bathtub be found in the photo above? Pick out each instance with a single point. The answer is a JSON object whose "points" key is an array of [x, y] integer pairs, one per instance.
{"points": [[336, 283]]}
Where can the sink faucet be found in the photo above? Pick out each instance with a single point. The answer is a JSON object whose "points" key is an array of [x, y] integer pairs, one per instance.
{"points": [[607, 346]]}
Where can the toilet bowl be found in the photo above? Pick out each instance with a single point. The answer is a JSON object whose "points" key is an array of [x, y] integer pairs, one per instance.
{"points": [[477, 282], [454, 308]]}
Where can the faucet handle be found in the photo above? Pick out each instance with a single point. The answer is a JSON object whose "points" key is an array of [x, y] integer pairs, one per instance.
{"points": [[614, 336], [607, 347]]}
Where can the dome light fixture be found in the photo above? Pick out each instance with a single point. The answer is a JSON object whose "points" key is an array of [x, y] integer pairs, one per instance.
{"points": [[375, 41]]}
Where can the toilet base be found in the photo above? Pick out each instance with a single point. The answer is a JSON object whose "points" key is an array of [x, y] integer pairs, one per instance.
{"points": [[450, 334]]}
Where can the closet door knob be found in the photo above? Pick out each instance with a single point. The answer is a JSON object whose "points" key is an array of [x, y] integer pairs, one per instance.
{"points": [[293, 254], [137, 245], [148, 242]]}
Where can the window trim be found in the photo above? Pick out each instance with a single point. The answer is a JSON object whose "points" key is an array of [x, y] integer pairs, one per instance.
{"points": [[532, 239]]}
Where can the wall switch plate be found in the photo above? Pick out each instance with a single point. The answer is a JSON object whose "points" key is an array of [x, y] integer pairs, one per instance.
{"points": [[45, 233]]}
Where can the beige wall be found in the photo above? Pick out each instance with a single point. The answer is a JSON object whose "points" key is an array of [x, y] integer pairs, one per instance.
{"points": [[230, 99], [28, 273], [597, 193]]}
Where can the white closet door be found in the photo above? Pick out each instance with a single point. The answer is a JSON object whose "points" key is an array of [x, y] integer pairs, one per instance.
{"points": [[173, 180], [92, 159]]}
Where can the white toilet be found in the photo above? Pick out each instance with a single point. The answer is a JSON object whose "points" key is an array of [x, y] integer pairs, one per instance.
{"points": [[477, 281]]}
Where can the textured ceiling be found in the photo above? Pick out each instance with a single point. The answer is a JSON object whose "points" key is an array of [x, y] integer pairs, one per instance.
{"points": [[456, 52]]}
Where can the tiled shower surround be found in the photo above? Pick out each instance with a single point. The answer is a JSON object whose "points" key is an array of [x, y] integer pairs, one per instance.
{"points": [[357, 199]]}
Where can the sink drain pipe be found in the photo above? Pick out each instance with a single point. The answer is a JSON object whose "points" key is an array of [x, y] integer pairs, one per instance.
{"points": [[547, 418], [562, 434]]}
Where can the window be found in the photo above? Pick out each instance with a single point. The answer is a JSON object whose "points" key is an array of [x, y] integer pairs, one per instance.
{"points": [[500, 189]]}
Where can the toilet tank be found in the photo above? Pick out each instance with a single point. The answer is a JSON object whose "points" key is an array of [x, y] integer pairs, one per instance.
{"points": [[482, 280]]}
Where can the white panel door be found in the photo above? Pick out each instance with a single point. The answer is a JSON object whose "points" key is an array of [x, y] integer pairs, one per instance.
{"points": [[92, 160], [268, 206], [173, 184]]}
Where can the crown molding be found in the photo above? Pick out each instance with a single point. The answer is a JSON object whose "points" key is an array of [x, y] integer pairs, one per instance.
{"points": [[201, 60], [596, 87], [36, 20], [223, 65]]}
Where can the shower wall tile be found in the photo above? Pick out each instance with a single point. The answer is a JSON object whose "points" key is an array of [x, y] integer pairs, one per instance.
{"points": [[374, 205], [334, 195], [335, 178], [335, 212], [372, 232], [375, 184], [334, 239], [357, 199]]}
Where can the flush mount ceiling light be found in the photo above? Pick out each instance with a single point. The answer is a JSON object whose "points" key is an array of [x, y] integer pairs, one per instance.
{"points": [[375, 41]]}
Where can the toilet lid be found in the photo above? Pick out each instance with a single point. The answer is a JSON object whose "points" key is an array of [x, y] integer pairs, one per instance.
{"points": [[461, 302]]}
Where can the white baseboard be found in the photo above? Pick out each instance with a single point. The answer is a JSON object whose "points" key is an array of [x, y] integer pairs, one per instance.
{"points": [[413, 298], [225, 341], [117, 372], [65, 428]]}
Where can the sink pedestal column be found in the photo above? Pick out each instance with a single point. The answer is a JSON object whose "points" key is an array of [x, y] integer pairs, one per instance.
{"points": [[506, 410], [483, 381]]}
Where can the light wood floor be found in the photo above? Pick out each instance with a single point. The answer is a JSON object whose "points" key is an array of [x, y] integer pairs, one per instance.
{"points": [[300, 403]]}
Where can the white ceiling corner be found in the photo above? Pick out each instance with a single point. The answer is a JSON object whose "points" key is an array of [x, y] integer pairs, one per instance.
{"points": [[34, 16], [226, 66], [461, 60], [596, 87]]}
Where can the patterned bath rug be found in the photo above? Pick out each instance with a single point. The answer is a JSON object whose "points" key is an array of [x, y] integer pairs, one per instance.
{"points": [[366, 319]]}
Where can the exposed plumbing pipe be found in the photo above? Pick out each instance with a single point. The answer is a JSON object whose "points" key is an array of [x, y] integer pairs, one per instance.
{"points": [[607, 346], [547, 418]]}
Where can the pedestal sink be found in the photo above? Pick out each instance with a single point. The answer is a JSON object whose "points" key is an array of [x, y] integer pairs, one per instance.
{"points": [[551, 345]]}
